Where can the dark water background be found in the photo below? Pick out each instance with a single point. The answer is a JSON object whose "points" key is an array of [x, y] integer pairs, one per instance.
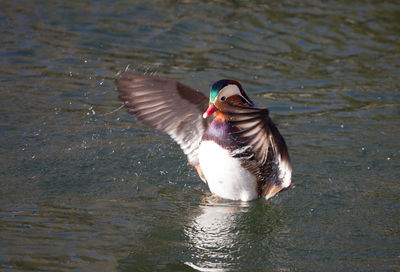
{"points": [[86, 188]]}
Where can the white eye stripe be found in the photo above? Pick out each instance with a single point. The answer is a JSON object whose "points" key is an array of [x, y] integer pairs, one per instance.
{"points": [[230, 90]]}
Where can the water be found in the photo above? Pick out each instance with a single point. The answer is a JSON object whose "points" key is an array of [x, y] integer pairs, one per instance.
{"points": [[85, 187]]}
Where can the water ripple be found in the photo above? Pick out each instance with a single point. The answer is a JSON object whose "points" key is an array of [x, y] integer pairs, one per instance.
{"points": [[84, 186]]}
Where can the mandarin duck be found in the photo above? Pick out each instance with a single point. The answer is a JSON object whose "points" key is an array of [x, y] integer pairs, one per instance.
{"points": [[238, 152]]}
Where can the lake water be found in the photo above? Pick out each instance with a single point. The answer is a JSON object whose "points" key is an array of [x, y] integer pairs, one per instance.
{"points": [[85, 187]]}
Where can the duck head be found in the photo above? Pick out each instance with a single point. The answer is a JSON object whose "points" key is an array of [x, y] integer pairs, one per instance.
{"points": [[226, 92]]}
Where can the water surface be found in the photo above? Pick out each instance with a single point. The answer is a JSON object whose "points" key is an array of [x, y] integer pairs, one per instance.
{"points": [[83, 186]]}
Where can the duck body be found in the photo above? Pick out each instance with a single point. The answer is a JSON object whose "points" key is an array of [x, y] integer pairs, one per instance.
{"points": [[224, 173], [238, 152]]}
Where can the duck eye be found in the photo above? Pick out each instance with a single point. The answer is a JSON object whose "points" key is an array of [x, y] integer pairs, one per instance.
{"points": [[223, 98]]}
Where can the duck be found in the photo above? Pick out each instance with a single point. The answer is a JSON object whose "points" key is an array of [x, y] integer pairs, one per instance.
{"points": [[233, 145]]}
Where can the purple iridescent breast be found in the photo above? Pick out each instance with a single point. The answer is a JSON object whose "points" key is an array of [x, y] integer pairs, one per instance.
{"points": [[222, 134]]}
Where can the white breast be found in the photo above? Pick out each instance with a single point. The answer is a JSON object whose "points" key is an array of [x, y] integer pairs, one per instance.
{"points": [[225, 175]]}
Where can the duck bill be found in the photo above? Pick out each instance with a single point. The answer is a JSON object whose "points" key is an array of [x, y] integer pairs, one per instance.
{"points": [[211, 109]]}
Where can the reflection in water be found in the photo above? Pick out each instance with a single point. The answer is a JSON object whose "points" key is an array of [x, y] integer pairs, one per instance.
{"points": [[213, 236], [221, 235]]}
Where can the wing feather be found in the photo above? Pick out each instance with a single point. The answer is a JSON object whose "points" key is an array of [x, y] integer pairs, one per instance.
{"points": [[168, 106], [259, 132]]}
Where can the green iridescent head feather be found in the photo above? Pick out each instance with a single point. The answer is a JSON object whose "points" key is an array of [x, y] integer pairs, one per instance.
{"points": [[217, 87]]}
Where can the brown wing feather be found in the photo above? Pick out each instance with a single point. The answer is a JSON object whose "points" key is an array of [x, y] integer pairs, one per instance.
{"points": [[259, 132], [168, 106]]}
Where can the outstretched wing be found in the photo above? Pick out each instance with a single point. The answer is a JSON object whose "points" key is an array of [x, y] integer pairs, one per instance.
{"points": [[258, 131], [168, 106]]}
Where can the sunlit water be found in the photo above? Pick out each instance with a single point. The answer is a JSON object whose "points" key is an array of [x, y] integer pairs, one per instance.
{"points": [[85, 187]]}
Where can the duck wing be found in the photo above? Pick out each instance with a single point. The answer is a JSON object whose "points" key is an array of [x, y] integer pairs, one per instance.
{"points": [[168, 106], [256, 129]]}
